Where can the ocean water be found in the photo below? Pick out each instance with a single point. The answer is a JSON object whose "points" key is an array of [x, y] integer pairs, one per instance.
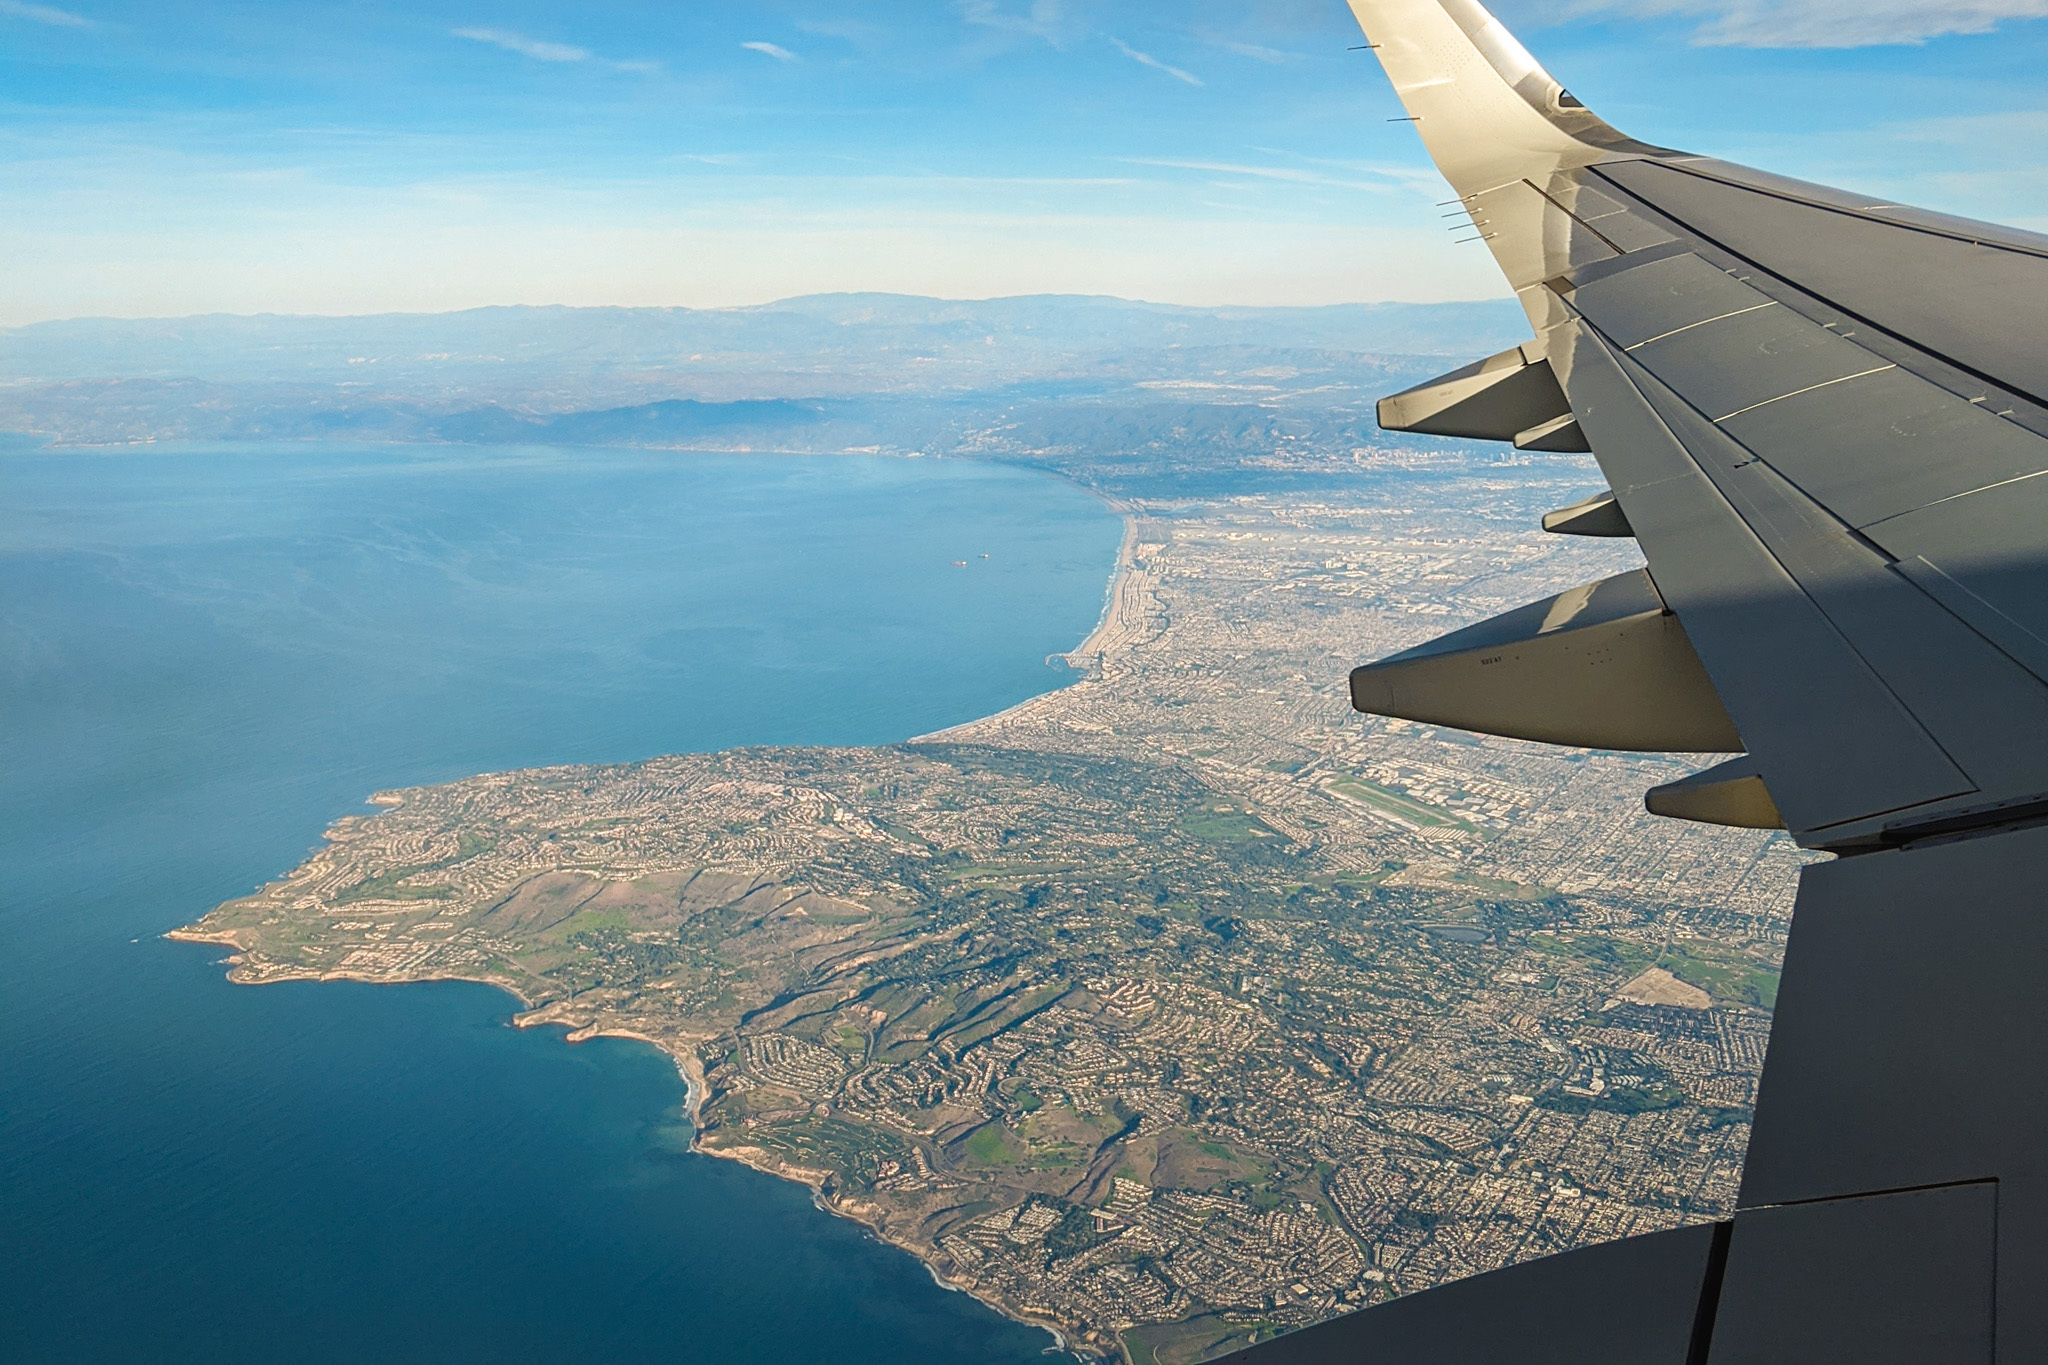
{"points": [[207, 654]]}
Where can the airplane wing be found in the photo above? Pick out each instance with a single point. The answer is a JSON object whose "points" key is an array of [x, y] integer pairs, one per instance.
{"points": [[1824, 418]]}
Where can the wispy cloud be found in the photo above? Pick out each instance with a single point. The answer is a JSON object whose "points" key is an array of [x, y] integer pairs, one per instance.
{"points": [[1147, 59], [1271, 56], [851, 30], [1289, 174], [44, 14], [536, 48], [542, 50], [1819, 23], [1042, 20], [780, 54]]}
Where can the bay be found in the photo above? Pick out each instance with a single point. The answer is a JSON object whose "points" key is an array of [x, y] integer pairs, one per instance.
{"points": [[209, 653]]}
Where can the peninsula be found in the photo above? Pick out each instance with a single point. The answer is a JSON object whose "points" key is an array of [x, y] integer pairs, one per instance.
{"points": [[1174, 1007]]}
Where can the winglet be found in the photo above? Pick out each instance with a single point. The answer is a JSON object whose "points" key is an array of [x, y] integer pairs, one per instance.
{"points": [[1487, 110], [1506, 135]]}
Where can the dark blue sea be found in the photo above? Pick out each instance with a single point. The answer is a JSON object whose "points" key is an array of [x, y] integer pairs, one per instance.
{"points": [[207, 654]]}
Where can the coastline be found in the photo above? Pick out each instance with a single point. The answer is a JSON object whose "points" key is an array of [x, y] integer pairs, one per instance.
{"points": [[739, 909], [689, 1065], [1119, 626], [239, 974], [759, 1159], [1097, 639], [1113, 629]]}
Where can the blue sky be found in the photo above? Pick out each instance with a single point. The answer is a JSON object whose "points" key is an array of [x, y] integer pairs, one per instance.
{"points": [[180, 156]]}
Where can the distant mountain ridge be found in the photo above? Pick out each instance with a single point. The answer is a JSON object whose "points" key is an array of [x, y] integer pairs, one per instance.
{"points": [[1114, 392], [1025, 330], [666, 423]]}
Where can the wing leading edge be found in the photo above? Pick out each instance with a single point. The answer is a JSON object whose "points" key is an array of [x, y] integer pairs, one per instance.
{"points": [[1824, 419]]}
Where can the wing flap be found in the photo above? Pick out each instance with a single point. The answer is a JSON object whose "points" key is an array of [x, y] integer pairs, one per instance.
{"points": [[1662, 299], [1859, 434], [1975, 555], [1987, 716], [1826, 1281], [1834, 742], [1972, 293], [1734, 365], [1886, 444]]}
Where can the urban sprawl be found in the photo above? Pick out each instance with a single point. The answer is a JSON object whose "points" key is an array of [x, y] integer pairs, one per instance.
{"points": [[1177, 1006]]}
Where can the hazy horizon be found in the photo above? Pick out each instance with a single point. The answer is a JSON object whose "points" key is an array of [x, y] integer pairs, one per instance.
{"points": [[842, 371], [1503, 297], [181, 159]]}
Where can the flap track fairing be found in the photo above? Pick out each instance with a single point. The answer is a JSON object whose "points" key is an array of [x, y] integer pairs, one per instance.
{"points": [[1731, 793], [1560, 435], [1499, 398], [1599, 515], [1604, 666]]}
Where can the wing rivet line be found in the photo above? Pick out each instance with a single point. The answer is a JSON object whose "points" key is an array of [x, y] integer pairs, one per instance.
{"points": [[1825, 383], [1720, 317]]}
